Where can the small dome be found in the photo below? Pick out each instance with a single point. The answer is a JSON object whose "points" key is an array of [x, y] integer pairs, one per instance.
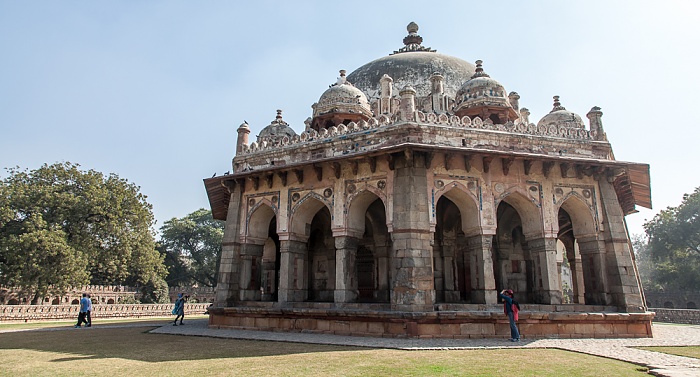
{"points": [[560, 116], [481, 90], [276, 130], [342, 97]]}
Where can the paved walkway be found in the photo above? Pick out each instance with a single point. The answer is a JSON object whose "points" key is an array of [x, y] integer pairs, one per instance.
{"points": [[660, 364]]}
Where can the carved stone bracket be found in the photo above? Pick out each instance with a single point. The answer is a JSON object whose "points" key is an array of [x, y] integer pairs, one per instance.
{"points": [[372, 164], [283, 177], [468, 162], [564, 166], [268, 179], [256, 182], [527, 165], [547, 167], [318, 169], [335, 166], [486, 160], [299, 173], [506, 162], [448, 160]]}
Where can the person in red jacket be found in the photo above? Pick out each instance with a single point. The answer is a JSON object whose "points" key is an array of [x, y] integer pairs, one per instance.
{"points": [[511, 308]]}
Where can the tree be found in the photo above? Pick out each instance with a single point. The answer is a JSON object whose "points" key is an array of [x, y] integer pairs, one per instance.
{"points": [[674, 245], [60, 227], [192, 248]]}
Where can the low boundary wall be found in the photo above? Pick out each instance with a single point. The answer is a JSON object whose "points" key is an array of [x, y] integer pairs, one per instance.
{"points": [[56, 312], [687, 316]]}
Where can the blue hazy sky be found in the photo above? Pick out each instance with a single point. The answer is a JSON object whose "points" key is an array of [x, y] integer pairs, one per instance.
{"points": [[154, 90]]}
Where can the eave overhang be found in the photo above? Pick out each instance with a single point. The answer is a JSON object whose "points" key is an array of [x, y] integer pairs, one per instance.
{"points": [[631, 180]]}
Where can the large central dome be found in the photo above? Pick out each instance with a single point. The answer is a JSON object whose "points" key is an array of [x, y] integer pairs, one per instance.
{"points": [[413, 65]]}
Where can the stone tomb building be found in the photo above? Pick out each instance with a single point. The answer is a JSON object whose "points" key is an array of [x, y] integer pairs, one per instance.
{"points": [[418, 189]]}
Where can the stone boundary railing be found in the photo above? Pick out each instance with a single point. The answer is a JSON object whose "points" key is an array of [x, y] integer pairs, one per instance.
{"points": [[55, 312], [424, 119], [687, 316]]}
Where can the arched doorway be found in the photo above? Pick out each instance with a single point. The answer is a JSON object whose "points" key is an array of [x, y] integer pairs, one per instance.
{"points": [[372, 261], [321, 258], [260, 256], [583, 252], [451, 267], [513, 266], [270, 276]]}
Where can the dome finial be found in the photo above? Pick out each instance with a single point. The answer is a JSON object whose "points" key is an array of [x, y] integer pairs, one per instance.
{"points": [[479, 72], [412, 42], [342, 79], [279, 115], [557, 105]]}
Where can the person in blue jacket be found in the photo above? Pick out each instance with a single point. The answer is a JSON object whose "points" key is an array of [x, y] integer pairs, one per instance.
{"points": [[179, 309], [508, 309]]}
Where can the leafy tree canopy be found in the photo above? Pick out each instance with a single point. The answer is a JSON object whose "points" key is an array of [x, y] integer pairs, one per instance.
{"points": [[192, 248], [61, 227], [673, 246]]}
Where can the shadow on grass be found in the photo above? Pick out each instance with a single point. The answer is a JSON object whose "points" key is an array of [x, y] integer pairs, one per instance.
{"points": [[135, 343]]}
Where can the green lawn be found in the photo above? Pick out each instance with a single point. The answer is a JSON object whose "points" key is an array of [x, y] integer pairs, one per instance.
{"points": [[133, 351], [689, 351]]}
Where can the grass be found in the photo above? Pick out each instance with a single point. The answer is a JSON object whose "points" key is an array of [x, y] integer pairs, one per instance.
{"points": [[133, 351], [689, 351]]}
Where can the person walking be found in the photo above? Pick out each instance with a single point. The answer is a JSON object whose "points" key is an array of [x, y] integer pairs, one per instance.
{"points": [[511, 309], [82, 311], [88, 311], [179, 309]]}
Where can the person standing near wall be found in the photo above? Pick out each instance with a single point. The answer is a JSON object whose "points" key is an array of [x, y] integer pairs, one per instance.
{"points": [[88, 311], [179, 309], [511, 308], [83, 311]]}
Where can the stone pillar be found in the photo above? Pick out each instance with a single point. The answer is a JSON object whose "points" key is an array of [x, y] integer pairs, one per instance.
{"points": [[437, 93], [578, 281], [623, 283], [413, 288], [408, 104], [514, 99], [386, 86], [243, 132], [267, 281], [345, 272], [544, 254], [383, 268], [251, 256], [227, 282], [293, 277], [593, 269], [481, 269], [595, 117]]}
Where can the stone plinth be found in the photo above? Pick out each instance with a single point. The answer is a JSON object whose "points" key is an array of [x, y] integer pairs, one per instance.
{"points": [[476, 321]]}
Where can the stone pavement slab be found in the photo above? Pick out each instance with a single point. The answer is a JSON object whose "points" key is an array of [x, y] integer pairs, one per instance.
{"points": [[659, 364]]}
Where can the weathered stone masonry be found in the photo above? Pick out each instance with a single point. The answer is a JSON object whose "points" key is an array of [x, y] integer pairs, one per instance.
{"points": [[390, 212]]}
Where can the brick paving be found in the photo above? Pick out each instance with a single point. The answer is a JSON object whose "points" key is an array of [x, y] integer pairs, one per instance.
{"points": [[659, 364]]}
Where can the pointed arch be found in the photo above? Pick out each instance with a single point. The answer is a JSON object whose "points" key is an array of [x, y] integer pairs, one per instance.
{"points": [[529, 212], [355, 218], [582, 218], [304, 211], [468, 206], [258, 221]]}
